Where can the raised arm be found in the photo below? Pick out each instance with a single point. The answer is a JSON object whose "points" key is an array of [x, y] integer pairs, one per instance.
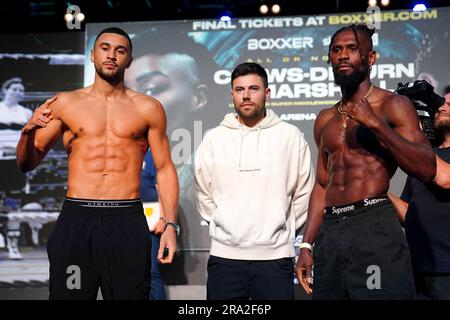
{"points": [[315, 210], [38, 136], [167, 176], [405, 140]]}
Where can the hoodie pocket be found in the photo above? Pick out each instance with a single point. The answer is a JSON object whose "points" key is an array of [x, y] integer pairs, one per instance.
{"points": [[246, 221]]}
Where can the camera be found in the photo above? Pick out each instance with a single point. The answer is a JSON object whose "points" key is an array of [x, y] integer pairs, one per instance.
{"points": [[426, 101]]}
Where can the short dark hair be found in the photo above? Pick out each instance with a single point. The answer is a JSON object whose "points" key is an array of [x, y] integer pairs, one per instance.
{"points": [[246, 68], [447, 90], [116, 31], [355, 28], [8, 83]]}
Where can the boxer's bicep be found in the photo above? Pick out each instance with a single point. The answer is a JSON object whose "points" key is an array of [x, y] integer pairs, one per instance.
{"points": [[402, 116]]}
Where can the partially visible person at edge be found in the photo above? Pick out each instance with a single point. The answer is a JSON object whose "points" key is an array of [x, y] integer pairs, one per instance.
{"points": [[442, 177], [11, 112], [179, 73], [424, 208], [12, 117], [149, 194]]}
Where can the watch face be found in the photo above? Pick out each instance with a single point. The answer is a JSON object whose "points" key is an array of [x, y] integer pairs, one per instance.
{"points": [[175, 226]]}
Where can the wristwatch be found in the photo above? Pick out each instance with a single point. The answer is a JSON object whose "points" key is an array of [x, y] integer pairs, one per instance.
{"points": [[173, 225]]}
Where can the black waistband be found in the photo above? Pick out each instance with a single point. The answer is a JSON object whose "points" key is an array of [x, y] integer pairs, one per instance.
{"points": [[352, 207], [91, 203]]}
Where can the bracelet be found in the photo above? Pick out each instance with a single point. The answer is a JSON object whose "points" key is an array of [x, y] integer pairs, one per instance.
{"points": [[306, 245]]}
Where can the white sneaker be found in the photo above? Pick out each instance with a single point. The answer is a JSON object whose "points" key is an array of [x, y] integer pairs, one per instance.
{"points": [[15, 255], [2, 242]]}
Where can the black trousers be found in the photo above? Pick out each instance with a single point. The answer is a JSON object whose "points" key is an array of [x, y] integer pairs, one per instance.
{"points": [[362, 254], [100, 244], [432, 286], [230, 279]]}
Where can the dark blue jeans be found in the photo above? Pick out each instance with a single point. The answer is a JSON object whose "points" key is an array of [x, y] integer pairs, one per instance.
{"points": [[157, 291]]}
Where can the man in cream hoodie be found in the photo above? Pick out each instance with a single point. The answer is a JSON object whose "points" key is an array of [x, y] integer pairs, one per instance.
{"points": [[253, 177]]}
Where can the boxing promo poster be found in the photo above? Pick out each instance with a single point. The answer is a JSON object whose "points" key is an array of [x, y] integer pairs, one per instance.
{"points": [[293, 50], [187, 66]]}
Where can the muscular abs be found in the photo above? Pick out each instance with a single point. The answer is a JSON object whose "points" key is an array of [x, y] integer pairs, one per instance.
{"points": [[358, 166], [105, 146]]}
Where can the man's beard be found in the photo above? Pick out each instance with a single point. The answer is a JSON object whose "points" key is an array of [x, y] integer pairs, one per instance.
{"points": [[248, 116], [350, 80], [110, 78], [443, 125]]}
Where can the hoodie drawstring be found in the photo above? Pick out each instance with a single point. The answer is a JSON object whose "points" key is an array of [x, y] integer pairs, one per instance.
{"points": [[231, 121], [257, 147], [241, 138], [242, 134]]}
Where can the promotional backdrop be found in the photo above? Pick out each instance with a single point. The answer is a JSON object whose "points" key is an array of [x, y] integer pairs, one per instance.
{"points": [[187, 66]]}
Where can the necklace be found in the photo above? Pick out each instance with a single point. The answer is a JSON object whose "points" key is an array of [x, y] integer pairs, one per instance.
{"points": [[344, 113]]}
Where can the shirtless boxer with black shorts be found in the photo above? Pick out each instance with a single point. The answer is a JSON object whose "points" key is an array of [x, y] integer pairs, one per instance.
{"points": [[360, 251], [106, 128]]}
